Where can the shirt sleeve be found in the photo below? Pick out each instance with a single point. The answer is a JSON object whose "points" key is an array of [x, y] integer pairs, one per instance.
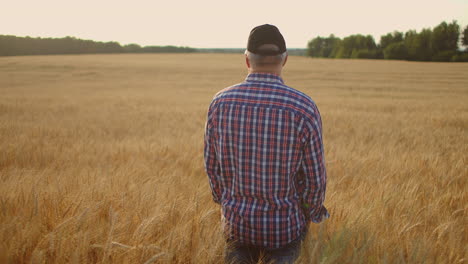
{"points": [[313, 173], [211, 163]]}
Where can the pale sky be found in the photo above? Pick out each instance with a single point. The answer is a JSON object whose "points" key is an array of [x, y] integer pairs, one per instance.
{"points": [[218, 23]]}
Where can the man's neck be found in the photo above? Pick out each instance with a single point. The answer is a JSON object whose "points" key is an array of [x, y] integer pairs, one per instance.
{"points": [[275, 72]]}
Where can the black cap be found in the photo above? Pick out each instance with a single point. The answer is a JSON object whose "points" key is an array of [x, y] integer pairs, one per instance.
{"points": [[266, 34]]}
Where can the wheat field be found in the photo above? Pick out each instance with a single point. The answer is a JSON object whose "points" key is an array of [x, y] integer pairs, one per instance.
{"points": [[101, 158]]}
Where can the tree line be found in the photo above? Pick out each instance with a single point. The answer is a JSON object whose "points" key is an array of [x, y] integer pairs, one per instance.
{"points": [[13, 45], [438, 44]]}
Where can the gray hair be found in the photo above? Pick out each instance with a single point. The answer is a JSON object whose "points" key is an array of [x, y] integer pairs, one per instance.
{"points": [[257, 60]]}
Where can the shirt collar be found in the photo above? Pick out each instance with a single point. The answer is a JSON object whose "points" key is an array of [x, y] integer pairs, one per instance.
{"points": [[264, 77]]}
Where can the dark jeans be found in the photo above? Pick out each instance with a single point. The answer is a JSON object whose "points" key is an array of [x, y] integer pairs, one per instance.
{"points": [[243, 254]]}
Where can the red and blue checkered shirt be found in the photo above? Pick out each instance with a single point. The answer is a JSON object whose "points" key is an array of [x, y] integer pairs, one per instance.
{"points": [[265, 161]]}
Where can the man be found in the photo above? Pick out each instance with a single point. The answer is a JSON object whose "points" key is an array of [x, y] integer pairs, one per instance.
{"points": [[264, 157]]}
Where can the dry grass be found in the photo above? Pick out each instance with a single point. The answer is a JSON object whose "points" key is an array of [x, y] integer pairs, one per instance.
{"points": [[101, 159]]}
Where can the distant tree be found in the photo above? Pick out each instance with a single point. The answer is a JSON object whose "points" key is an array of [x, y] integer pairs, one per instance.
{"points": [[446, 55], [112, 47], [314, 47], [419, 45], [167, 49], [438, 44], [445, 37], [364, 54], [413, 45], [355, 43], [132, 48], [390, 38], [465, 36], [12, 45], [460, 57], [396, 51], [323, 47], [6, 45], [329, 45], [335, 44]]}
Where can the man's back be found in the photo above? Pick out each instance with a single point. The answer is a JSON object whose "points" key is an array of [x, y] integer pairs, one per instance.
{"points": [[264, 158]]}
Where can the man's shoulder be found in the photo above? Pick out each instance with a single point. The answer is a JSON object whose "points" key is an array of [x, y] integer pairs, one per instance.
{"points": [[221, 96], [278, 93], [265, 89], [226, 91], [308, 108], [299, 95], [300, 100]]}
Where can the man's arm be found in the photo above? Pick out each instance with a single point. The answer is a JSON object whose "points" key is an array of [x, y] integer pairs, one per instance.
{"points": [[315, 174], [211, 163]]}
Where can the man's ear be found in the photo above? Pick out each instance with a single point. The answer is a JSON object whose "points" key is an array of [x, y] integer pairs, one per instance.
{"points": [[285, 60], [247, 61]]}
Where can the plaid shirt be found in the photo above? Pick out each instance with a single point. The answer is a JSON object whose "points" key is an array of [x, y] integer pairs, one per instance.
{"points": [[265, 161]]}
